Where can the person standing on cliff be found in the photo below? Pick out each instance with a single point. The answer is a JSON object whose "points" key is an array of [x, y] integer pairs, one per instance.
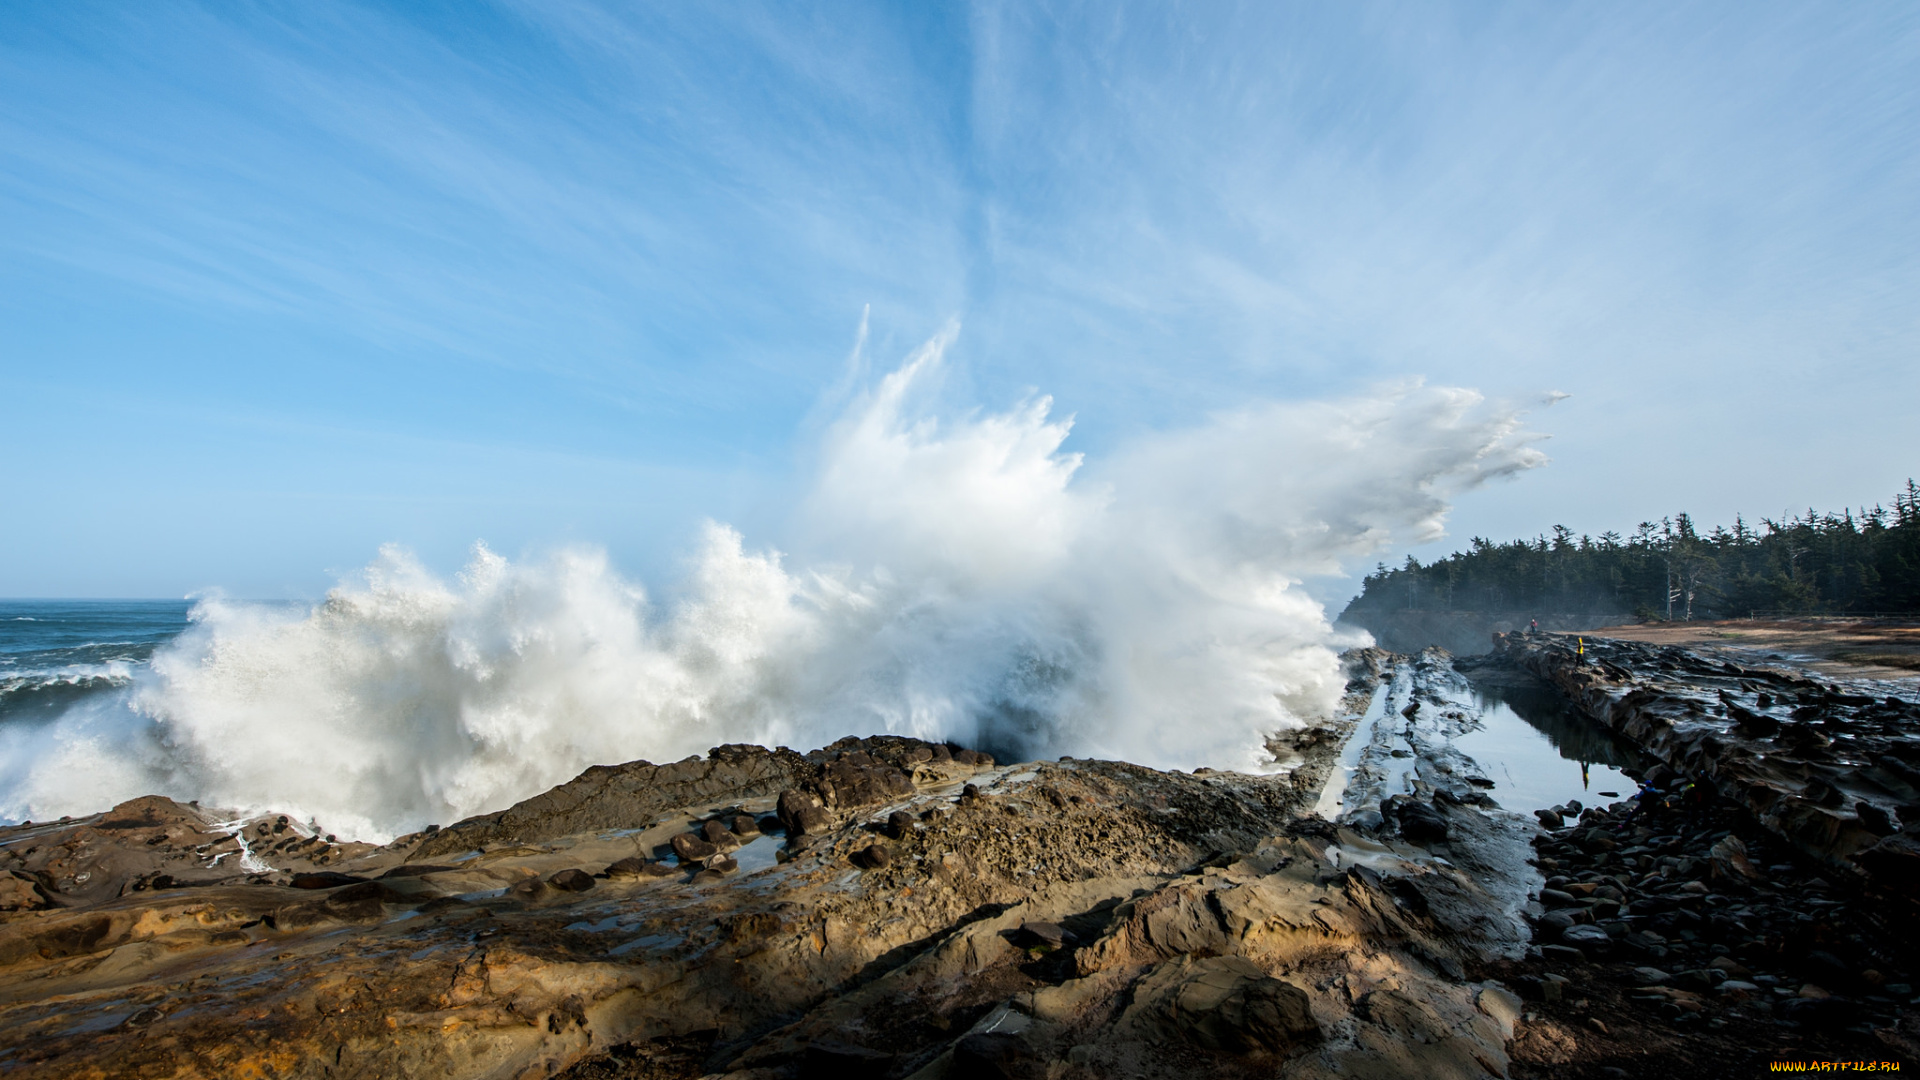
{"points": [[1533, 627]]}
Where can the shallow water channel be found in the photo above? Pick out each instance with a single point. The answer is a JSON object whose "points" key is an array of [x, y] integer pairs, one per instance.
{"points": [[1521, 734], [1539, 752]]}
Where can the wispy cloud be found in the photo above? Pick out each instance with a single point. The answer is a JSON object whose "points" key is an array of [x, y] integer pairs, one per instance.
{"points": [[655, 227]]}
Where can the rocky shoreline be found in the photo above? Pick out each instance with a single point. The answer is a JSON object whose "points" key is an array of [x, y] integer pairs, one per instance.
{"points": [[886, 907]]}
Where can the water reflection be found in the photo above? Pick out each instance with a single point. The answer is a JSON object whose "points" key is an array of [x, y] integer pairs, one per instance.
{"points": [[1538, 750]]}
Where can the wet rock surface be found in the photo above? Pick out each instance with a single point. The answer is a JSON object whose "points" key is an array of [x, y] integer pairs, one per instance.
{"points": [[1710, 922], [891, 908], [929, 913], [1832, 768]]}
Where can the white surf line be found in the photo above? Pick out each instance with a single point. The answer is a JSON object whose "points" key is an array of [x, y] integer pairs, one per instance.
{"points": [[249, 862], [1358, 736]]}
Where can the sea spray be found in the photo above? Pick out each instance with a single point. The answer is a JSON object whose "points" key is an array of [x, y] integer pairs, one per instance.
{"points": [[961, 578]]}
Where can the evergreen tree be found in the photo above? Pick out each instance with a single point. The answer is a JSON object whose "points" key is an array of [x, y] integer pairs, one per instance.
{"points": [[1853, 561]]}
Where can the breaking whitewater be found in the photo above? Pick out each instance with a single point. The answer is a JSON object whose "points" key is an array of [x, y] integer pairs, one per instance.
{"points": [[947, 577]]}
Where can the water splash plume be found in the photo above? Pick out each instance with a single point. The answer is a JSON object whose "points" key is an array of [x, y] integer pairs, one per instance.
{"points": [[959, 577]]}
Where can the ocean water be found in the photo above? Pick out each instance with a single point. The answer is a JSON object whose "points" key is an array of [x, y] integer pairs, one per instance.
{"points": [[59, 654]]}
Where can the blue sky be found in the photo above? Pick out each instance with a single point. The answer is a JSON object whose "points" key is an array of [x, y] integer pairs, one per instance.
{"points": [[280, 283]]}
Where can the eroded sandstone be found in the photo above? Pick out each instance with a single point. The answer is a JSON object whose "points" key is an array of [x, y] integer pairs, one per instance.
{"points": [[881, 907]]}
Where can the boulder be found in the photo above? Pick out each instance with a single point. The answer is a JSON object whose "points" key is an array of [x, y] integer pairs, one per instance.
{"points": [[802, 813], [1586, 937], [690, 848], [571, 880], [744, 825], [631, 870], [1420, 823], [872, 857], [899, 824]]}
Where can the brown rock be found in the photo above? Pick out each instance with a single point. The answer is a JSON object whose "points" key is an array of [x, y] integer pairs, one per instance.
{"points": [[629, 869], [996, 1055], [899, 824], [744, 825], [872, 857], [1042, 935], [690, 848], [529, 890], [18, 892], [326, 880], [1229, 1004], [802, 813], [571, 880]]}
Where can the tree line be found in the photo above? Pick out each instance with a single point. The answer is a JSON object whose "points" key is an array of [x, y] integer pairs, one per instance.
{"points": [[1850, 562]]}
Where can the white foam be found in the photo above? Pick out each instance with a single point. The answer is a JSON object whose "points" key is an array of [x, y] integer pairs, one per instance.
{"points": [[959, 578]]}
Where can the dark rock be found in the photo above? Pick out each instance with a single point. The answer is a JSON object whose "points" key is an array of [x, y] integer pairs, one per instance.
{"points": [[1042, 935], [1420, 823], [1698, 980], [634, 795], [1829, 969], [802, 813], [770, 825], [692, 849], [363, 891], [325, 880], [716, 833], [633, 869], [744, 825], [1230, 1004], [1822, 1014], [996, 1055], [899, 824], [708, 877], [1559, 921], [872, 857], [1588, 938], [571, 880], [1549, 819], [1556, 898], [858, 780], [832, 1059], [417, 870], [721, 864]]}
